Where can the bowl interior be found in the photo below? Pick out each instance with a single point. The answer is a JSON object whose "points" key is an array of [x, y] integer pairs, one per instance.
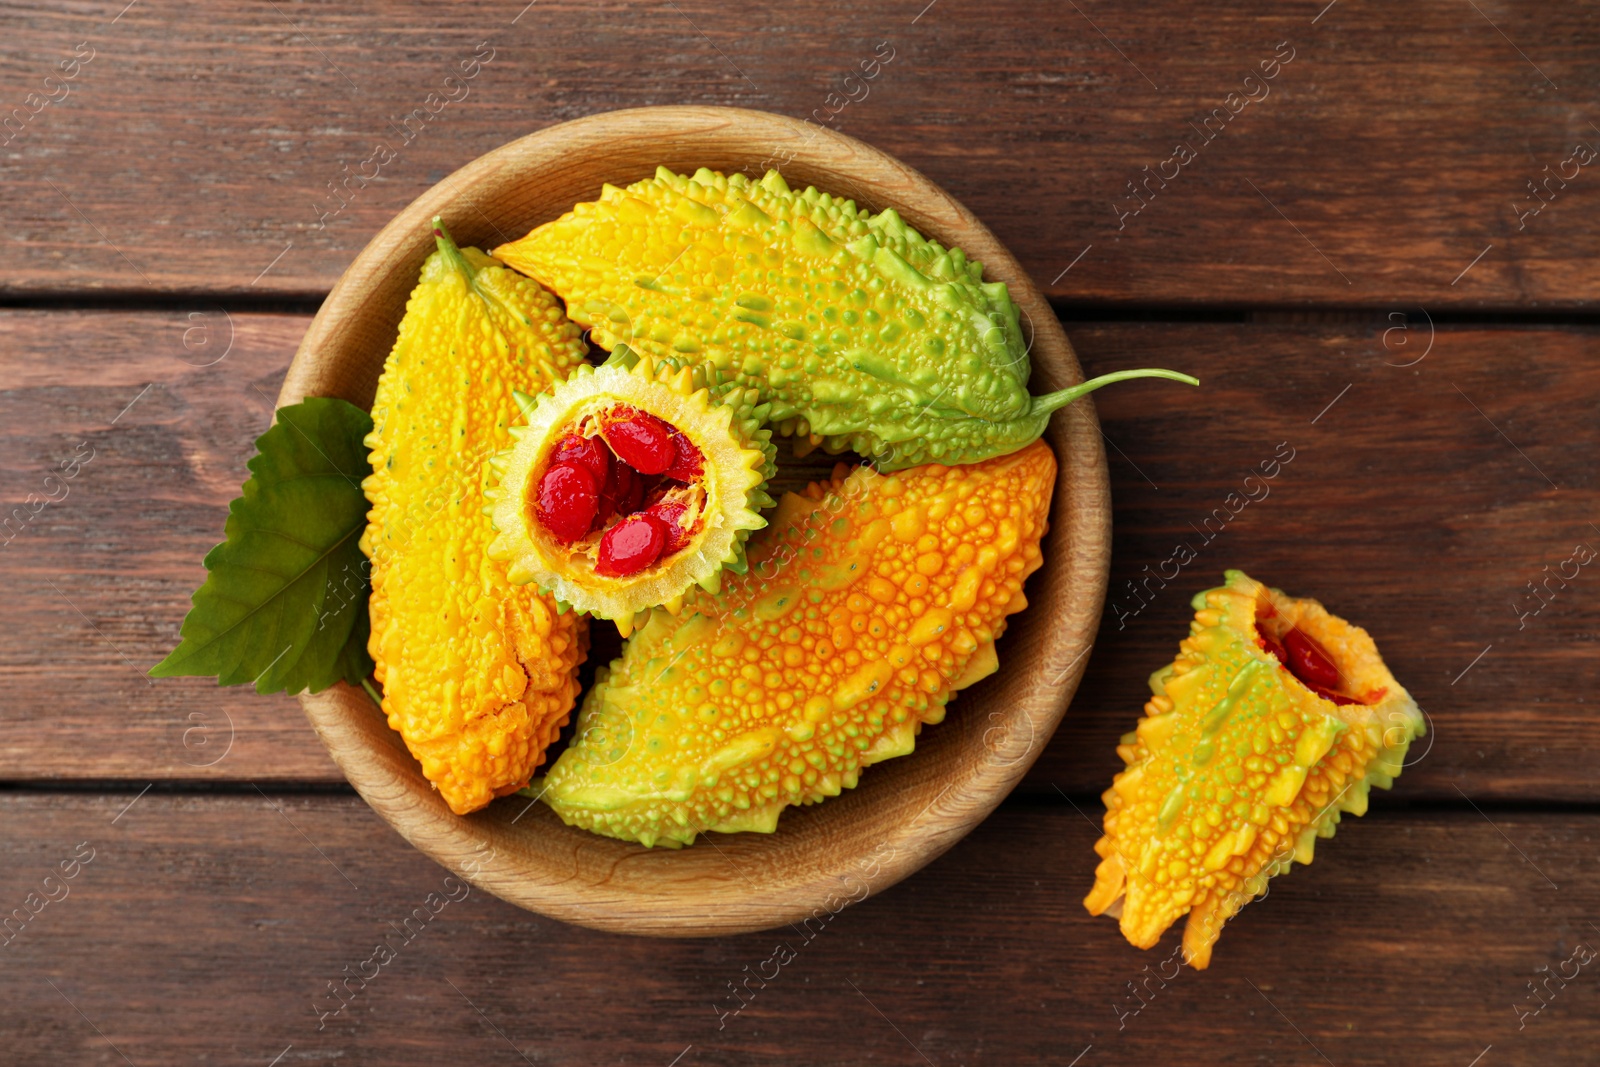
{"points": [[906, 811]]}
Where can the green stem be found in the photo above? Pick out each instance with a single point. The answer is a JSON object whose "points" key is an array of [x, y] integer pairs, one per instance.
{"points": [[1043, 405], [373, 693], [452, 252]]}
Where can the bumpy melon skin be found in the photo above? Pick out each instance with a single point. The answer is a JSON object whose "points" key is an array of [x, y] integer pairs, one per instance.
{"points": [[478, 674], [869, 602], [858, 331], [738, 457], [1237, 768]]}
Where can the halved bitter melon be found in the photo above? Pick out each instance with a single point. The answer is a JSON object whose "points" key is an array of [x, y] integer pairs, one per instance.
{"points": [[1274, 718], [629, 485]]}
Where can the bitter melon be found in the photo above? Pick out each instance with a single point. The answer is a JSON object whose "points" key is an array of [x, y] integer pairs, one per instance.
{"points": [[868, 603], [1274, 717], [857, 331], [478, 674]]}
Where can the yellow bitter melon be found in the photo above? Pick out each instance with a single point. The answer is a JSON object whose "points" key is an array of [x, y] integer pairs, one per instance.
{"points": [[857, 331], [703, 488], [478, 674], [868, 603], [1274, 717]]}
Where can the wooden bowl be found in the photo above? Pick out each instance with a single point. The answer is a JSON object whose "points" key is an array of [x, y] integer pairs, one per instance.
{"points": [[905, 812]]}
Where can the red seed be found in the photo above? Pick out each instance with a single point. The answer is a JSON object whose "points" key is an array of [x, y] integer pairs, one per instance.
{"points": [[632, 494], [656, 488], [630, 546], [670, 515], [567, 501], [619, 483], [640, 440], [1310, 662], [1271, 644], [687, 464], [1329, 694], [590, 453]]}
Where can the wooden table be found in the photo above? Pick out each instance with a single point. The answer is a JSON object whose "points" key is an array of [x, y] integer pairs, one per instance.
{"points": [[1388, 258]]}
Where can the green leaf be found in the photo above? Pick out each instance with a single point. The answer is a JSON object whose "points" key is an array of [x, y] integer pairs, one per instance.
{"points": [[285, 602]]}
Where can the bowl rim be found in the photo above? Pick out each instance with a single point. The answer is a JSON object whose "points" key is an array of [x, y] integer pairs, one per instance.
{"points": [[701, 891]]}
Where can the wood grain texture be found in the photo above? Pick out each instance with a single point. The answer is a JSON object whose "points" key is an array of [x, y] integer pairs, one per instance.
{"points": [[99, 581], [207, 929], [1403, 509], [1394, 147], [909, 811], [212, 154], [1420, 502]]}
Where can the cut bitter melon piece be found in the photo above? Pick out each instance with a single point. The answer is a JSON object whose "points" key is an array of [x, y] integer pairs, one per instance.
{"points": [[1274, 718], [869, 602], [628, 486]]}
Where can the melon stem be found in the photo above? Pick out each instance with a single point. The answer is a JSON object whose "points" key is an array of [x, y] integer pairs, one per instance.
{"points": [[1043, 405], [451, 250], [461, 264]]}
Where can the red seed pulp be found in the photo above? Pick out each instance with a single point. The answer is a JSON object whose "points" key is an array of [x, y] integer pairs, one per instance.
{"points": [[619, 485], [687, 462], [670, 515], [1309, 661], [1271, 644], [567, 501], [1330, 694], [640, 440], [626, 471], [587, 452], [631, 545], [633, 496], [1304, 657]]}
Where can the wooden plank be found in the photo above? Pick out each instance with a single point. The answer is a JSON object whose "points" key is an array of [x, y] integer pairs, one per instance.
{"points": [[1411, 939], [106, 572], [257, 148], [1420, 502], [1403, 508]]}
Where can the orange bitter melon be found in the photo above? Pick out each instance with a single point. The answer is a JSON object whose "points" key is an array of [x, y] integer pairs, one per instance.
{"points": [[478, 674], [869, 602], [1274, 718]]}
